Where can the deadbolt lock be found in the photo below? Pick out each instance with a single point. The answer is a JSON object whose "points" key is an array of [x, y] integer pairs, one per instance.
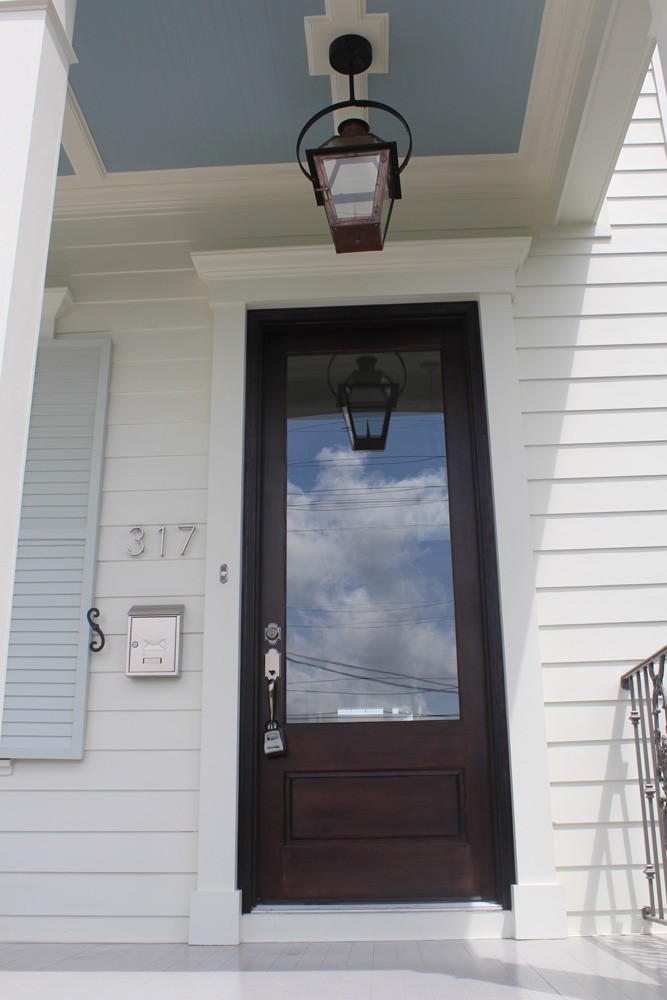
{"points": [[272, 633]]}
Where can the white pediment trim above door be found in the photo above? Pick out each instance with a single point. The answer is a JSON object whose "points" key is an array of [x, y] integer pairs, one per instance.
{"points": [[316, 275]]}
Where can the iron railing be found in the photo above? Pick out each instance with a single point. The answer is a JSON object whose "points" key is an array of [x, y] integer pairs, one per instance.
{"points": [[646, 684]]}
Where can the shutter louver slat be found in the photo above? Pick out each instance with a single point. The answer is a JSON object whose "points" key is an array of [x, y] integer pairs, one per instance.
{"points": [[46, 686]]}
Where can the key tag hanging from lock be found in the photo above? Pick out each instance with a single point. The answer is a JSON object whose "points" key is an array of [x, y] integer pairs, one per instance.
{"points": [[274, 740]]}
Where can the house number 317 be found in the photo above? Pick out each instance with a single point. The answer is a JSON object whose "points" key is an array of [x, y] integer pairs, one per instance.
{"points": [[139, 535]]}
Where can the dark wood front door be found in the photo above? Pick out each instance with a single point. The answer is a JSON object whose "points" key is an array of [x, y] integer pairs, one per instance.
{"points": [[377, 565]]}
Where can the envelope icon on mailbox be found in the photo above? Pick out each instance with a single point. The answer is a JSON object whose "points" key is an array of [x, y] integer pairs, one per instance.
{"points": [[154, 647]]}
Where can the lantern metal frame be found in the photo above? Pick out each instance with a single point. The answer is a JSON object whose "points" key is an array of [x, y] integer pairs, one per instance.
{"points": [[351, 55]]}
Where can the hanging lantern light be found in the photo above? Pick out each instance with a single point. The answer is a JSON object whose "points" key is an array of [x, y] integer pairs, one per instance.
{"points": [[356, 174], [367, 398]]}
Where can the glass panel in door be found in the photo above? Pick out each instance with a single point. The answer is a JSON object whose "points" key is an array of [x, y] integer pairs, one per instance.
{"points": [[370, 602]]}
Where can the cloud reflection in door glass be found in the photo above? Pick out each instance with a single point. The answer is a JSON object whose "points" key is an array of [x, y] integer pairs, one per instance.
{"points": [[370, 616]]}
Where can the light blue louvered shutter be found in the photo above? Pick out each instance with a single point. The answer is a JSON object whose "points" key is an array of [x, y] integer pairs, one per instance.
{"points": [[47, 670]]}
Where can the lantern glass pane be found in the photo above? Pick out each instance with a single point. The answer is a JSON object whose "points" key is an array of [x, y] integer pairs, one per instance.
{"points": [[352, 181], [368, 423]]}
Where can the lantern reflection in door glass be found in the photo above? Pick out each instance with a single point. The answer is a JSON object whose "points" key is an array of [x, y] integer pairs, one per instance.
{"points": [[370, 602]]}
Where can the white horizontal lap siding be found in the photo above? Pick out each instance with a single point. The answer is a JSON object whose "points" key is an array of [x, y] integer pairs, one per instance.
{"points": [[47, 671], [107, 850], [591, 324]]}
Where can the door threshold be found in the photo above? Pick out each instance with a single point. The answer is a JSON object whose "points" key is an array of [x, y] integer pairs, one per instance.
{"points": [[464, 905], [376, 922]]}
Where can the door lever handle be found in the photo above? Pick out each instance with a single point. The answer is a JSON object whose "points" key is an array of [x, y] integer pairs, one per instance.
{"points": [[272, 665], [272, 673], [274, 741]]}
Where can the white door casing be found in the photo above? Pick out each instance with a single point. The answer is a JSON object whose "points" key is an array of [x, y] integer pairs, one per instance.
{"points": [[481, 270]]}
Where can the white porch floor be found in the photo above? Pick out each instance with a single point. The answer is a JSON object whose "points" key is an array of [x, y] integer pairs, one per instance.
{"points": [[604, 968]]}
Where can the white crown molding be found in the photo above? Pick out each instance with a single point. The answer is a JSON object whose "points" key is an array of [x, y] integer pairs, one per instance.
{"points": [[427, 268], [265, 184], [153, 191], [268, 204], [78, 143], [262, 187], [501, 252]]}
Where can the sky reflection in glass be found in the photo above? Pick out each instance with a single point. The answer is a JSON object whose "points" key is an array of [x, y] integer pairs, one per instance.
{"points": [[370, 603]]}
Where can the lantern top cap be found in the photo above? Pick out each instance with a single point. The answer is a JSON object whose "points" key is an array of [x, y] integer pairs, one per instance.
{"points": [[354, 126], [366, 366], [367, 374]]}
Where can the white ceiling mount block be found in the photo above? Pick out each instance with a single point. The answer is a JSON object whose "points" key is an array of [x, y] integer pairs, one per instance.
{"points": [[56, 302], [346, 17]]}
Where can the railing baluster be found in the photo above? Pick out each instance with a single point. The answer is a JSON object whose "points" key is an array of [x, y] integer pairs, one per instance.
{"points": [[635, 719], [648, 710], [648, 748], [658, 707]]}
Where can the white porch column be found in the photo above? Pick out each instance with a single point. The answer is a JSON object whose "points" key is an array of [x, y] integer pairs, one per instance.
{"points": [[35, 55], [538, 902]]}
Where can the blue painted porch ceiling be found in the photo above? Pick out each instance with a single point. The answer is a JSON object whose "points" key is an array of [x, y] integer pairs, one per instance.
{"points": [[172, 84]]}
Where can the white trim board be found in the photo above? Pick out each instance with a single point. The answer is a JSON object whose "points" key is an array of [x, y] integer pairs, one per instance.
{"points": [[481, 270]]}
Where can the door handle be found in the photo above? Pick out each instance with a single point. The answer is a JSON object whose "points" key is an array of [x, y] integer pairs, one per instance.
{"points": [[272, 674], [272, 666], [274, 740]]}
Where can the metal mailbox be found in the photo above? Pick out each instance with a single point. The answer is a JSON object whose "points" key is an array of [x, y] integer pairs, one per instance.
{"points": [[154, 640]]}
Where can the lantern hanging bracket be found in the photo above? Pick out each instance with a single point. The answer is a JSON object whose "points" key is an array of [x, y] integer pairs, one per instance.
{"points": [[351, 55]]}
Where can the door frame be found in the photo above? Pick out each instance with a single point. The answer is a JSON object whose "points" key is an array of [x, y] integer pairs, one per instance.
{"points": [[483, 270], [260, 326]]}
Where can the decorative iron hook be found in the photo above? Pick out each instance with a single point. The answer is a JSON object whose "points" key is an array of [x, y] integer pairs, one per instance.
{"points": [[96, 646]]}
